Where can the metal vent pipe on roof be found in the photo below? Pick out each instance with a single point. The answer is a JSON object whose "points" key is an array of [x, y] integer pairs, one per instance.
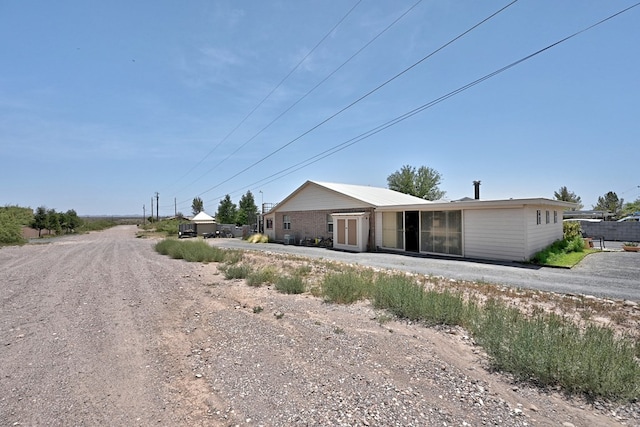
{"points": [[476, 186]]}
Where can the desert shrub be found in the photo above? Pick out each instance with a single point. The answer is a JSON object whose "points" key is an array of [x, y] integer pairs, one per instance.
{"points": [[303, 270], [258, 238], [290, 284], [237, 271], [405, 298], [347, 287], [97, 224], [550, 350], [192, 251], [233, 256], [265, 275]]}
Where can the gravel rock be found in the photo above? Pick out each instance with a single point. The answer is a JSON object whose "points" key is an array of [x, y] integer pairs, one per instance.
{"points": [[101, 330]]}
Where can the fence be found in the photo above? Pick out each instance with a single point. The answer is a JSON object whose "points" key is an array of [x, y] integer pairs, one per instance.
{"points": [[628, 231]]}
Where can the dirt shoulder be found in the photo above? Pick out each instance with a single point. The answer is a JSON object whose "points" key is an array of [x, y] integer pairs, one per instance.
{"points": [[101, 330]]}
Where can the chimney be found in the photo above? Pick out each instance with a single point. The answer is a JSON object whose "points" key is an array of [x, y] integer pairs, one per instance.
{"points": [[476, 186]]}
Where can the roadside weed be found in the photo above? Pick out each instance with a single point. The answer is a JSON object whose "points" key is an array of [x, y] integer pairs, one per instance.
{"points": [[290, 284]]}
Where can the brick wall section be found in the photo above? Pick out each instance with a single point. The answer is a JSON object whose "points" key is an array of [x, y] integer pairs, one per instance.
{"points": [[313, 224], [612, 230]]}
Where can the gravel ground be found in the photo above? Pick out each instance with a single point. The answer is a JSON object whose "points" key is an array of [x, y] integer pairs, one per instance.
{"points": [[101, 330], [609, 274]]}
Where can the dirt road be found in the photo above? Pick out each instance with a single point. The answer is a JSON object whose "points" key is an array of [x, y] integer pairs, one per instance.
{"points": [[81, 329], [101, 330]]}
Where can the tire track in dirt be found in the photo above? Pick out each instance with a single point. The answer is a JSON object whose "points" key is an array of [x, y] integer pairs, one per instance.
{"points": [[80, 327]]}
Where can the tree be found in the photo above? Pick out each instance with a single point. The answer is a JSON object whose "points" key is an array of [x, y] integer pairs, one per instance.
{"points": [[568, 196], [197, 205], [227, 211], [422, 183], [247, 210], [631, 208], [610, 203], [53, 221], [70, 221], [40, 220]]}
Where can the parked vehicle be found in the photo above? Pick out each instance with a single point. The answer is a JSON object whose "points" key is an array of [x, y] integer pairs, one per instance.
{"points": [[187, 230], [630, 218]]}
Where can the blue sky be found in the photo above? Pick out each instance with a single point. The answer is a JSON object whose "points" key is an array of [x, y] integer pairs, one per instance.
{"points": [[102, 104]]}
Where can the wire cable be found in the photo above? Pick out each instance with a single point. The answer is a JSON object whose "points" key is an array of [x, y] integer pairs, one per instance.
{"points": [[310, 90], [337, 148], [359, 99], [246, 117]]}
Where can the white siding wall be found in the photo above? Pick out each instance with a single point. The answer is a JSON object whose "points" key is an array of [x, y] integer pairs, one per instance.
{"points": [[378, 236], [539, 236], [271, 232], [494, 234], [313, 198]]}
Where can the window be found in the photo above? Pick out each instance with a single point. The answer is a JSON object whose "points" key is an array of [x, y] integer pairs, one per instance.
{"points": [[555, 217], [441, 232], [538, 217], [286, 222], [269, 223], [329, 223], [392, 230], [547, 217]]}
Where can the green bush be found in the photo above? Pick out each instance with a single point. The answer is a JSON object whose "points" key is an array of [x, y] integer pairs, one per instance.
{"points": [[347, 287], [10, 229], [237, 271], [550, 351], [264, 275], [95, 225], [22, 216], [168, 226], [571, 230], [192, 251], [290, 284], [558, 249], [407, 299]]}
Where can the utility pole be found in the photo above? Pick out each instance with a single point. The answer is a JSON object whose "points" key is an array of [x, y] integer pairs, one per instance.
{"points": [[261, 221], [144, 215], [151, 209], [175, 207], [157, 207]]}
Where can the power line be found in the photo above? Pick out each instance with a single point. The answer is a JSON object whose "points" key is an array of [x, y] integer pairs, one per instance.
{"points": [[269, 94], [312, 89], [361, 98], [378, 35], [339, 147]]}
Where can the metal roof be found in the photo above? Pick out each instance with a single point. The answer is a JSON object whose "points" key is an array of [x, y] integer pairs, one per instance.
{"points": [[202, 217], [375, 196]]}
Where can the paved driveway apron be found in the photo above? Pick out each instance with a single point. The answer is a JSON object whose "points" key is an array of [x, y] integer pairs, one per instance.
{"points": [[605, 274]]}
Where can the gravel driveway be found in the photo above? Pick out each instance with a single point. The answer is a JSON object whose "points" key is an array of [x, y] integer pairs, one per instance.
{"points": [[610, 274], [100, 330]]}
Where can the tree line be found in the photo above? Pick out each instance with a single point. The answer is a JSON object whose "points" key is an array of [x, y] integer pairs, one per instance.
{"points": [[244, 213], [14, 218], [55, 222]]}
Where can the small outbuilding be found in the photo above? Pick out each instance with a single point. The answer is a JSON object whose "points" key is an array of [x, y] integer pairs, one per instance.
{"points": [[362, 218], [200, 225]]}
